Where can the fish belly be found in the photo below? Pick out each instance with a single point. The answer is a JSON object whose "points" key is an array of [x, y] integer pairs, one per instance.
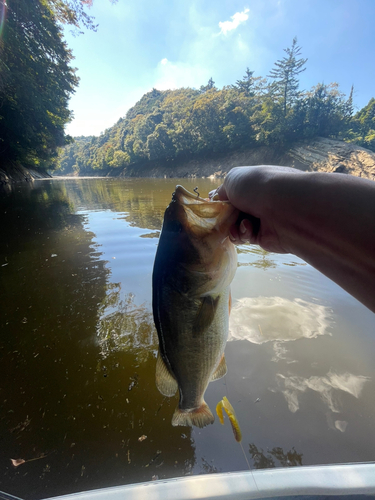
{"points": [[192, 345]]}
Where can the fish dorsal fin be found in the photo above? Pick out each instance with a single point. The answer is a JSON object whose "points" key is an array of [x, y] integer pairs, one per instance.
{"points": [[221, 369], [205, 314], [165, 381]]}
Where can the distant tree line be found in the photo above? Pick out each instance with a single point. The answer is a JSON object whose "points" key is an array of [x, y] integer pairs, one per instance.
{"points": [[254, 111]]}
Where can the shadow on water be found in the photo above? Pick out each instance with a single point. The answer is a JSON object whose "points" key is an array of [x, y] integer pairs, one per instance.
{"points": [[274, 458], [78, 360]]}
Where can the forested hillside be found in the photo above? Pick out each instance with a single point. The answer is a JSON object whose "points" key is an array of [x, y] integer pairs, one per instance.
{"points": [[252, 112], [36, 81]]}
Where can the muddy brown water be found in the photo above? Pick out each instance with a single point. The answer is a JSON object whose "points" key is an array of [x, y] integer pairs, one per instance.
{"points": [[78, 350]]}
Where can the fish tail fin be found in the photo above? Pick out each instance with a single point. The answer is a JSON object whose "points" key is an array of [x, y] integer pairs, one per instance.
{"points": [[200, 417]]}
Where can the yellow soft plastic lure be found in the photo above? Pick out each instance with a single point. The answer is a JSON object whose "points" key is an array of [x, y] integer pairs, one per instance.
{"points": [[225, 404]]}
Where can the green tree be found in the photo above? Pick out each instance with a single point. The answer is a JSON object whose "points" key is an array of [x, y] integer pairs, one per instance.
{"points": [[271, 122], [349, 104], [210, 85], [206, 121], [73, 12], [362, 125], [159, 143], [249, 85], [285, 76], [36, 85], [120, 159], [237, 115], [326, 111]]}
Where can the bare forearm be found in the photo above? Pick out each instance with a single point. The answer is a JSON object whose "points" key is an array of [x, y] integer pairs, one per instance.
{"points": [[329, 221], [326, 219]]}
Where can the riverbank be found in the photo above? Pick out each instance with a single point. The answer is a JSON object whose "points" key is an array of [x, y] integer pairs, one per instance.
{"points": [[320, 154], [14, 172]]}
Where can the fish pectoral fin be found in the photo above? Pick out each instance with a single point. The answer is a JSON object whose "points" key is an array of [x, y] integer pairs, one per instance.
{"points": [[200, 417], [221, 369], [205, 314], [165, 381]]}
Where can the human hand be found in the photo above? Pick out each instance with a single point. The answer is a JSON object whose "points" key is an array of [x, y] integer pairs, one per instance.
{"points": [[257, 193], [326, 219]]}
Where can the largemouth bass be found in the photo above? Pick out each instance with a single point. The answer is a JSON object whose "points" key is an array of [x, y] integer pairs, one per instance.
{"points": [[194, 265]]}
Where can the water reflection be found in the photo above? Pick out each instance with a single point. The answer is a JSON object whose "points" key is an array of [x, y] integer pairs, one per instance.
{"points": [[124, 326], [255, 256], [265, 319], [328, 387], [141, 202], [275, 457], [341, 425]]}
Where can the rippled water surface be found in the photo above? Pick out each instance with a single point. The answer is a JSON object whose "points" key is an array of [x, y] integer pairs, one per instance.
{"points": [[78, 350]]}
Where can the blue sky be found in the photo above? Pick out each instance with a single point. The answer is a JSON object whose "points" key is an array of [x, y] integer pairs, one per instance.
{"points": [[171, 44]]}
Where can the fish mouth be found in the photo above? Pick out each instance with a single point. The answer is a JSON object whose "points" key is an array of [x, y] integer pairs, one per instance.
{"points": [[200, 216], [183, 196]]}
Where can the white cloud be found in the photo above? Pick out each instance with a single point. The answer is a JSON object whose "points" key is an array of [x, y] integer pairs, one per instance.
{"points": [[237, 19], [171, 75], [200, 56]]}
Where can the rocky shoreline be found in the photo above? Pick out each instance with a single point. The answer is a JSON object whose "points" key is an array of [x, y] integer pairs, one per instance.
{"points": [[320, 155], [17, 173]]}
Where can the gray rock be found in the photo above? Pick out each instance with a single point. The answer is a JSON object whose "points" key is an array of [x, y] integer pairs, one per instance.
{"points": [[320, 154]]}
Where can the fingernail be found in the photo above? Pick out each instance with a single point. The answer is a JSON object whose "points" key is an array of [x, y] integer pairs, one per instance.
{"points": [[242, 227], [212, 194]]}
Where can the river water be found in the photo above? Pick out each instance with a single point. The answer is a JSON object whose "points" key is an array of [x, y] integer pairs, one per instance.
{"points": [[78, 350]]}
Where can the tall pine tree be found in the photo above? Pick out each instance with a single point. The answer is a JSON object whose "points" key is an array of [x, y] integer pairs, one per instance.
{"points": [[285, 76], [249, 85], [210, 85]]}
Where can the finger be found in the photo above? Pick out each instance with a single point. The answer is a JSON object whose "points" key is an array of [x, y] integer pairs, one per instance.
{"points": [[250, 227], [241, 232], [234, 235], [245, 230], [222, 193], [213, 194]]}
